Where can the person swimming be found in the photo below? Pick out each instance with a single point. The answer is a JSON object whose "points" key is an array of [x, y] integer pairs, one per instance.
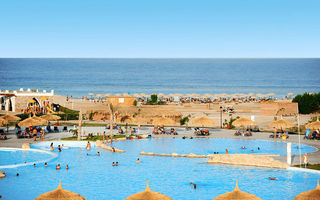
{"points": [[252, 151], [138, 160], [18, 174], [59, 148], [113, 164], [45, 164], [67, 167], [58, 167], [98, 153], [34, 165], [272, 178], [258, 148], [243, 147], [194, 185], [117, 164]]}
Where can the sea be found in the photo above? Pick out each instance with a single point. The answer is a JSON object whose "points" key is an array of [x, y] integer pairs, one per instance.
{"points": [[78, 77]]}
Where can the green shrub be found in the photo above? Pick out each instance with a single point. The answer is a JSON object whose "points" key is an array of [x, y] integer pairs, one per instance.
{"points": [[154, 98], [307, 103], [184, 120]]}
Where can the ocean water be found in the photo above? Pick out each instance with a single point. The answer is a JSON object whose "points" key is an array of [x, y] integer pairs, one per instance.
{"points": [[78, 77]]}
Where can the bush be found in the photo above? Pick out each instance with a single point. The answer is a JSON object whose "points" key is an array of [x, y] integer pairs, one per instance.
{"points": [[184, 120], [307, 103], [154, 98]]}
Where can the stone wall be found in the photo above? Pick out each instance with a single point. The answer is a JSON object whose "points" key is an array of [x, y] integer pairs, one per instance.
{"points": [[278, 109], [124, 101]]}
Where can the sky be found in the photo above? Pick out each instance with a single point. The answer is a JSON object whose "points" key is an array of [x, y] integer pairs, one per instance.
{"points": [[160, 28]]}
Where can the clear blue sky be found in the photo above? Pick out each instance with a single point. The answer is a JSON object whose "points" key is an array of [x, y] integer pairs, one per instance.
{"points": [[160, 28]]}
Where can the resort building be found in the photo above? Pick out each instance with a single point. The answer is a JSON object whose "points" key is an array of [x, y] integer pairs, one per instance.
{"points": [[124, 101], [26, 101]]}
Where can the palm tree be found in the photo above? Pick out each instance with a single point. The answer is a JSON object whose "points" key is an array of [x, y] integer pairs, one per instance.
{"points": [[113, 112]]}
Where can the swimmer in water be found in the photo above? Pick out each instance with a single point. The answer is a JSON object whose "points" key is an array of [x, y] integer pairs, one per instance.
{"points": [[258, 148], [243, 147], [59, 148], [117, 164], [194, 185], [272, 178], [297, 147], [138, 160], [67, 167], [226, 151], [252, 151], [34, 165], [45, 164], [18, 174], [113, 164], [58, 167], [98, 153]]}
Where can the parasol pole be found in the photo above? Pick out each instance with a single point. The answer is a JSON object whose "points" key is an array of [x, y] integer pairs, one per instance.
{"points": [[298, 116], [79, 127]]}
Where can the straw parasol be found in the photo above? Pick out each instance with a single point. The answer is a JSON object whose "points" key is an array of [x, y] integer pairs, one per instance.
{"points": [[291, 94], [148, 194], [271, 94], [243, 122], [237, 194], [60, 194], [50, 117], [309, 195], [281, 123], [164, 121], [313, 125], [10, 118], [32, 121], [108, 95], [99, 95], [3, 122], [203, 121]]}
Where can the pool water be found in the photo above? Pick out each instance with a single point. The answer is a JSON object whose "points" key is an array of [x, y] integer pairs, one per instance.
{"points": [[95, 178]]}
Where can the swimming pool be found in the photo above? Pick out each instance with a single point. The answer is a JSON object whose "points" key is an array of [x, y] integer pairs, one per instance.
{"points": [[95, 178]]}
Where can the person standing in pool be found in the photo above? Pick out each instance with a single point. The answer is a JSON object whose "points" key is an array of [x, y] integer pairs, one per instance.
{"points": [[226, 151], [59, 148], [51, 147], [45, 164], [194, 185], [113, 164], [58, 167], [98, 153], [138, 160], [117, 164], [67, 167], [88, 146]]}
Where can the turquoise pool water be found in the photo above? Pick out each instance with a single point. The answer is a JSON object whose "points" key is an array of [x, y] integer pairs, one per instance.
{"points": [[95, 178]]}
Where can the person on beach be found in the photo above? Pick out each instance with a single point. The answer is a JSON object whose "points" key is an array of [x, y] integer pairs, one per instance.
{"points": [[58, 167], [41, 134], [51, 147], [34, 132], [194, 185], [138, 160], [88, 146]]}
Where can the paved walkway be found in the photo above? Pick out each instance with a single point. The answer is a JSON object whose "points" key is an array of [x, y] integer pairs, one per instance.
{"points": [[314, 158]]}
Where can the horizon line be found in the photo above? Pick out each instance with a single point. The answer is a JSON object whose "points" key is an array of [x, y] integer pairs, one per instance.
{"points": [[160, 57]]}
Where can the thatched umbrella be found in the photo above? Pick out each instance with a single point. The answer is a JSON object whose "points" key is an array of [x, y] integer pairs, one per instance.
{"points": [[108, 95], [91, 94], [313, 125], [281, 123], [31, 121], [237, 194], [9, 118], [164, 121], [309, 195], [42, 120], [203, 121], [148, 194], [50, 117], [243, 122], [60, 194], [3, 122]]}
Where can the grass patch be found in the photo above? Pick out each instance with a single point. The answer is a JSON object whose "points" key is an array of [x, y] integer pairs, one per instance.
{"points": [[315, 166]]}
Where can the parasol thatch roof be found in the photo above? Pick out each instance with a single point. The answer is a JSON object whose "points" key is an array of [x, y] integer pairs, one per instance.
{"points": [[10, 118], [243, 122], [237, 194], [148, 194], [50, 117], [163, 121], [313, 125], [60, 194], [32, 121], [309, 195], [3, 122], [281, 123], [203, 121], [44, 98]]}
